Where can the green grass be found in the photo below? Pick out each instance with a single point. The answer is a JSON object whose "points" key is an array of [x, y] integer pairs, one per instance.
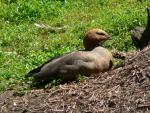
{"points": [[23, 46]]}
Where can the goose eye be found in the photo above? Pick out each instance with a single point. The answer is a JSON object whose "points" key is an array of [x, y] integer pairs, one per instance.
{"points": [[100, 33]]}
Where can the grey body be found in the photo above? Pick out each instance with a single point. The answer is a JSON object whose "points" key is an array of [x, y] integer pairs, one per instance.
{"points": [[68, 66], [136, 35]]}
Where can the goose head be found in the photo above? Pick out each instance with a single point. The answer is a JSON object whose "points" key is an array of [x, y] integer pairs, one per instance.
{"points": [[93, 38]]}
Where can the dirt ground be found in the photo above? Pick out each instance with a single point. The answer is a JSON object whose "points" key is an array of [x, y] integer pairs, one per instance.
{"points": [[122, 90]]}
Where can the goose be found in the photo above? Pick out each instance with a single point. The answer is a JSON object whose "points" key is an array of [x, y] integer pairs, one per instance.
{"points": [[92, 60], [141, 36]]}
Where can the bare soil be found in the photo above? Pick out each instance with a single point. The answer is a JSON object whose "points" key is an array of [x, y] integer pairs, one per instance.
{"points": [[122, 90]]}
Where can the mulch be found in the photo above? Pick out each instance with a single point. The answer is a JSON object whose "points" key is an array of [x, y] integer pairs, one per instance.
{"points": [[122, 90]]}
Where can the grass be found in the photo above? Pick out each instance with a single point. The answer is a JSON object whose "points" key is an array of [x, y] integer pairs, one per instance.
{"points": [[23, 46]]}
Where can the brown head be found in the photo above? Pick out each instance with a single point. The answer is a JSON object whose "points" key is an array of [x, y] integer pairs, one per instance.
{"points": [[94, 37]]}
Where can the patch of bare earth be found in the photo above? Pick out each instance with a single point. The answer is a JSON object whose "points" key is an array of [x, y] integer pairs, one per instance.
{"points": [[123, 90]]}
